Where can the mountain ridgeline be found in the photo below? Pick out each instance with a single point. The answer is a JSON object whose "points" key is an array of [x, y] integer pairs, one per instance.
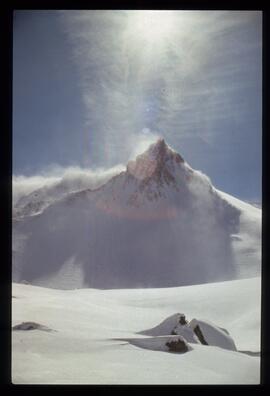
{"points": [[159, 223]]}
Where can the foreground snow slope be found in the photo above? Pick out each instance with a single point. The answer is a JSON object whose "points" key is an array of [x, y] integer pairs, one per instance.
{"points": [[88, 348]]}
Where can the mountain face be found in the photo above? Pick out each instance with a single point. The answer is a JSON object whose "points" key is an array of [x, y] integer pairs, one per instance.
{"points": [[159, 223]]}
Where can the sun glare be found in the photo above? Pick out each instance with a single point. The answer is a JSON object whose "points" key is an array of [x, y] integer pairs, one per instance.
{"points": [[152, 25]]}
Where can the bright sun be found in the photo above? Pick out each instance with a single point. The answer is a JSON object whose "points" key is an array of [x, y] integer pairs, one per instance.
{"points": [[152, 25]]}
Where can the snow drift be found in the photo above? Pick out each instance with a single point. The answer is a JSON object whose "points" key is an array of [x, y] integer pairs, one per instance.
{"points": [[159, 223]]}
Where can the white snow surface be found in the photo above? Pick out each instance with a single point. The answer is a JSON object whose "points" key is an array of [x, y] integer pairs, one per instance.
{"points": [[214, 335], [97, 337]]}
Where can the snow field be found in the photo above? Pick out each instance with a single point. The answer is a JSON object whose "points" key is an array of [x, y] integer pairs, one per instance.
{"points": [[88, 347]]}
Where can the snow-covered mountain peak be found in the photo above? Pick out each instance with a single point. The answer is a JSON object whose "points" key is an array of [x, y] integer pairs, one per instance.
{"points": [[163, 153], [158, 149], [157, 162], [158, 224]]}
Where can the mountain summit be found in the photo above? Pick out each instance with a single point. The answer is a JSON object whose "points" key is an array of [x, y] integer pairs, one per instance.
{"points": [[158, 161], [158, 224]]}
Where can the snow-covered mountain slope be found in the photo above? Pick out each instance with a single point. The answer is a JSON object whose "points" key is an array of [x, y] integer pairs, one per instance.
{"points": [[158, 224], [246, 244], [86, 345], [50, 189]]}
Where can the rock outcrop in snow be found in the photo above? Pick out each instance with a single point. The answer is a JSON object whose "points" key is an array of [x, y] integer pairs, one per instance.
{"points": [[194, 332], [26, 326], [212, 334], [169, 343], [157, 224]]}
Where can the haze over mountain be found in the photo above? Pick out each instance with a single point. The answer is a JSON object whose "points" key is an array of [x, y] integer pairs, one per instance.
{"points": [[159, 223]]}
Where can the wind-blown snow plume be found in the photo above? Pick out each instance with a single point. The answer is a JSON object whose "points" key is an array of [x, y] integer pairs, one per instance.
{"points": [[69, 179], [24, 185]]}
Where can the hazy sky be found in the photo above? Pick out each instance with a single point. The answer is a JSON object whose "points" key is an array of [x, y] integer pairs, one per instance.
{"points": [[93, 88]]}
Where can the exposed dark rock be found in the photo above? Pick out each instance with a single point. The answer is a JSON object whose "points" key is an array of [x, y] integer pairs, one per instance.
{"points": [[199, 334], [183, 320], [31, 326], [178, 346]]}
